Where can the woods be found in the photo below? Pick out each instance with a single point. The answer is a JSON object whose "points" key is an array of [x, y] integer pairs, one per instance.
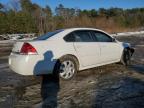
{"points": [[26, 17]]}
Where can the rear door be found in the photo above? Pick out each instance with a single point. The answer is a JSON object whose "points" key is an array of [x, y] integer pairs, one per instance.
{"points": [[109, 49], [87, 50]]}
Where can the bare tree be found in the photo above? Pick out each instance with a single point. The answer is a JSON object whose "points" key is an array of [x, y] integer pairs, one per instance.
{"points": [[15, 5]]}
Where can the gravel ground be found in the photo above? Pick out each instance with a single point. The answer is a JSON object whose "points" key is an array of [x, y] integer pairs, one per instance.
{"points": [[108, 86]]}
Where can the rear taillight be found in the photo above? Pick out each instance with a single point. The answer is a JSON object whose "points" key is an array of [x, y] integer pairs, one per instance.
{"points": [[28, 49]]}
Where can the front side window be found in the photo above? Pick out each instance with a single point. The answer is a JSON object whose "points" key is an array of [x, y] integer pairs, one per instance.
{"points": [[102, 37]]}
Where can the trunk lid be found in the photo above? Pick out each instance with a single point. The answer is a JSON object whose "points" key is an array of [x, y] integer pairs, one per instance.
{"points": [[17, 47]]}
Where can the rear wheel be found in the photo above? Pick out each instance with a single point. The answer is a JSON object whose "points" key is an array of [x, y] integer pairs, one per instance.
{"points": [[67, 67], [126, 57]]}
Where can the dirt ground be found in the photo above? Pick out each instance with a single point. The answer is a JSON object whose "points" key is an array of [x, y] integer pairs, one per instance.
{"points": [[111, 86]]}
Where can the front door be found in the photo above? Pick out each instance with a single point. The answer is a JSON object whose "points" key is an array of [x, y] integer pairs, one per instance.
{"points": [[109, 49]]}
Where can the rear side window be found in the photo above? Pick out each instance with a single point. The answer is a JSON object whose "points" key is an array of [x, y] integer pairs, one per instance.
{"points": [[70, 38], [48, 35], [79, 36], [102, 37], [83, 36]]}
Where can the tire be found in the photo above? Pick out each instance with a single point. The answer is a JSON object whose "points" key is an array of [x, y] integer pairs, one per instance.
{"points": [[66, 67], [126, 57]]}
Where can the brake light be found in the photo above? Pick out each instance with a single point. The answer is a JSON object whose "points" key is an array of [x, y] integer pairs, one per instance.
{"points": [[28, 49]]}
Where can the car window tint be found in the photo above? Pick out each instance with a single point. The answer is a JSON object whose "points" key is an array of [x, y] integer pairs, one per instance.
{"points": [[48, 35], [93, 36], [102, 37], [69, 38], [83, 36]]}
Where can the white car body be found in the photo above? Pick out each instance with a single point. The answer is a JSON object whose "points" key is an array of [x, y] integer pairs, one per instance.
{"points": [[88, 54]]}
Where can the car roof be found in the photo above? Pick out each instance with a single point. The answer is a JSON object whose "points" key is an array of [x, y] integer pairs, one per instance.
{"points": [[69, 30], [73, 29]]}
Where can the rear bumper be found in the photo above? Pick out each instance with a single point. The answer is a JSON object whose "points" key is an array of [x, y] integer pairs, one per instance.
{"points": [[30, 64]]}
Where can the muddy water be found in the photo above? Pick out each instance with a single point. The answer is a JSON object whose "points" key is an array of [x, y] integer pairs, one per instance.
{"points": [[104, 87]]}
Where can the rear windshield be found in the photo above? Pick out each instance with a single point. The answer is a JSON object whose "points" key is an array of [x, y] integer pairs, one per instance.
{"points": [[48, 35]]}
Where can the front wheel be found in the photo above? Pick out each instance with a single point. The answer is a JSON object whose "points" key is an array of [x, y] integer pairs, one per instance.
{"points": [[126, 57]]}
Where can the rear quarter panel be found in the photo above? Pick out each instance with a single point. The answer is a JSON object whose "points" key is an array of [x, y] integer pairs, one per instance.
{"points": [[57, 48]]}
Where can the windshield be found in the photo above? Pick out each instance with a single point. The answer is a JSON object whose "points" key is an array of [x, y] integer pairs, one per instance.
{"points": [[48, 35]]}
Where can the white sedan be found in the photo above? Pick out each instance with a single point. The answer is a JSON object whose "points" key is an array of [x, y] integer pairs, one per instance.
{"points": [[68, 51]]}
